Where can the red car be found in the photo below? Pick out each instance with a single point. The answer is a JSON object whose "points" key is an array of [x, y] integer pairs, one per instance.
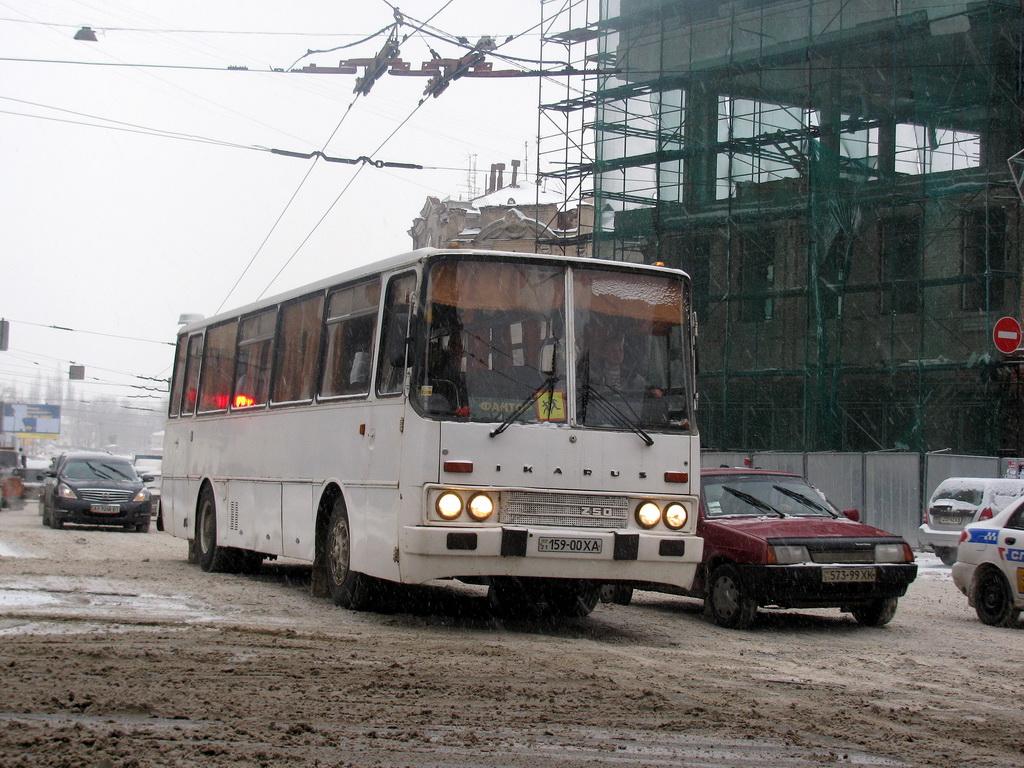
{"points": [[771, 539]]}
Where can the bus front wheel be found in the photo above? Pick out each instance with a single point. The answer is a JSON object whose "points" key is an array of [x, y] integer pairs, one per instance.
{"points": [[212, 558], [346, 587]]}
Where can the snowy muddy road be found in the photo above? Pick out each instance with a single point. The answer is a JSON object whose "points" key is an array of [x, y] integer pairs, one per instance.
{"points": [[116, 652]]}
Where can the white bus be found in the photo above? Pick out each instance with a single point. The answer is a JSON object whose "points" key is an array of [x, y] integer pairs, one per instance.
{"points": [[515, 420]]}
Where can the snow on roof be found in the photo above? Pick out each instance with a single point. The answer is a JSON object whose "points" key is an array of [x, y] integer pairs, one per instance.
{"points": [[519, 196]]}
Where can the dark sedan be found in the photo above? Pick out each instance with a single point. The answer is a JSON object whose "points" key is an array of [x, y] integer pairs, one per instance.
{"points": [[96, 489]]}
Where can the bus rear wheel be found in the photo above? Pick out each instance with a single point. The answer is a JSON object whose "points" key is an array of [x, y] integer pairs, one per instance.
{"points": [[346, 587], [212, 558]]}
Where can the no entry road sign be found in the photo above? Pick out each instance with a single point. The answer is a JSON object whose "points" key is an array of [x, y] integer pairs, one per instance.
{"points": [[1006, 334]]}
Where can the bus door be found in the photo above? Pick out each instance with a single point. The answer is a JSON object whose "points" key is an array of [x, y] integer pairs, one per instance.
{"points": [[374, 513]]}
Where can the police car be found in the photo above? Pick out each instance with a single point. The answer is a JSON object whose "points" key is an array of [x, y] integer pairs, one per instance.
{"points": [[990, 566]]}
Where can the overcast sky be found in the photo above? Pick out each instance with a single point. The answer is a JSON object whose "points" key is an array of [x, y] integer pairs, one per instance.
{"points": [[117, 232]]}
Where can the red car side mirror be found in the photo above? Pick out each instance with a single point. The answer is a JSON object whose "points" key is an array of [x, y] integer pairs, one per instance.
{"points": [[852, 514]]}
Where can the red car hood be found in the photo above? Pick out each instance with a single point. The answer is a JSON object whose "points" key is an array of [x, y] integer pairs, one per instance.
{"points": [[792, 527]]}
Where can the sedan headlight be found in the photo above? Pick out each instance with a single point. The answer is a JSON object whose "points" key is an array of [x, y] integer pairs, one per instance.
{"points": [[65, 491], [788, 555], [890, 553], [142, 495], [448, 506], [676, 516], [648, 514]]}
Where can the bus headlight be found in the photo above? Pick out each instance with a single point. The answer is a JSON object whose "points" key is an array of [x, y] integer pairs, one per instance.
{"points": [[648, 514], [676, 516], [480, 507], [448, 506]]}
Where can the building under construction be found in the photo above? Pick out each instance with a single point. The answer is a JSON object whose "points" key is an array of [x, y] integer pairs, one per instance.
{"points": [[833, 174]]}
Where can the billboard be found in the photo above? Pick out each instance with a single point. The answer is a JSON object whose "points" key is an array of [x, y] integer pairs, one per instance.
{"points": [[31, 420]]}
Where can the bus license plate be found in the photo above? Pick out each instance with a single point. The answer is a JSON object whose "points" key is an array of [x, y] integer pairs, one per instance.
{"points": [[581, 546], [105, 509], [847, 575]]}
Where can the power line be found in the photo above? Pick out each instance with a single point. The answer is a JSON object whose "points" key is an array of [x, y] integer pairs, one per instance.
{"points": [[336, 199], [187, 31], [93, 333], [361, 89], [136, 65], [358, 170], [22, 354]]}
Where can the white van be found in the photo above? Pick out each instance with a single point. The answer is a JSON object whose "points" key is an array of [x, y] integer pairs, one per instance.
{"points": [[958, 501]]}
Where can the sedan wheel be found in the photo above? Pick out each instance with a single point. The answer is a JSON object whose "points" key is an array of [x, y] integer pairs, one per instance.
{"points": [[728, 600], [992, 600]]}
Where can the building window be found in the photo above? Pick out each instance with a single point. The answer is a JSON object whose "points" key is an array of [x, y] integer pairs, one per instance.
{"points": [[983, 259], [831, 276], [695, 261], [899, 262], [757, 275]]}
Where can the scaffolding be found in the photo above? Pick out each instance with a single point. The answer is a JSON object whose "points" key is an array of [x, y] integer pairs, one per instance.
{"points": [[833, 175]]}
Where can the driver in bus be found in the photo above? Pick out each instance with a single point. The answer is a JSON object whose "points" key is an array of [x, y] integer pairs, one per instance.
{"points": [[603, 367], [445, 373]]}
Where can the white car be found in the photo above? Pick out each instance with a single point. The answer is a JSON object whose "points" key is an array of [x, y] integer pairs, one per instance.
{"points": [[958, 501], [990, 566]]}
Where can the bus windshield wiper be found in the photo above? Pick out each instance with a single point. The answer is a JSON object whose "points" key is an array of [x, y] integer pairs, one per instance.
{"points": [[807, 502], [753, 501], [548, 388], [617, 414]]}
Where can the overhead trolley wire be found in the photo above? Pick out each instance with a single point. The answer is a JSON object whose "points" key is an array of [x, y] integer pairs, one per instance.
{"points": [[287, 206]]}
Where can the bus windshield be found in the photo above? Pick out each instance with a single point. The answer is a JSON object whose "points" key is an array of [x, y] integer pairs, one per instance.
{"points": [[496, 345]]}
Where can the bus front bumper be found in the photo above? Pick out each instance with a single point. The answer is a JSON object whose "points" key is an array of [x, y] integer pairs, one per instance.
{"points": [[433, 552]]}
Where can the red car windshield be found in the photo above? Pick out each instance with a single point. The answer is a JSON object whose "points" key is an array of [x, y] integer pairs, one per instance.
{"points": [[763, 495]]}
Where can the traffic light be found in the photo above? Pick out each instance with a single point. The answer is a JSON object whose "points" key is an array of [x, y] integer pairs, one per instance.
{"points": [[76, 372], [5, 334]]}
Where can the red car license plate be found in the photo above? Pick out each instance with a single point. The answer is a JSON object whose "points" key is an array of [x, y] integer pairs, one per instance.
{"points": [[847, 575]]}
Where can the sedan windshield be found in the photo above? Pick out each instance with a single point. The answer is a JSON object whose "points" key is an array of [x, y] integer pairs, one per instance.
{"points": [[99, 469], [764, 495]]}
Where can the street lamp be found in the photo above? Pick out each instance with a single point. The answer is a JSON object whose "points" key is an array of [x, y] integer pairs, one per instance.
{"points": [[86, 33]]}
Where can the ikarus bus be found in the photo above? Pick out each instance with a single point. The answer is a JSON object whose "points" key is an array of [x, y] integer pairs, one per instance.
{"points": [[515, 420]]}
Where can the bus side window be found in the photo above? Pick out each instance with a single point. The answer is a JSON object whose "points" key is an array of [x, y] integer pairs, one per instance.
{"points": [[190, 392], [218, 367], [348, 339], [255, 349], [178, 381], [298, 346], [392, 355]]}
